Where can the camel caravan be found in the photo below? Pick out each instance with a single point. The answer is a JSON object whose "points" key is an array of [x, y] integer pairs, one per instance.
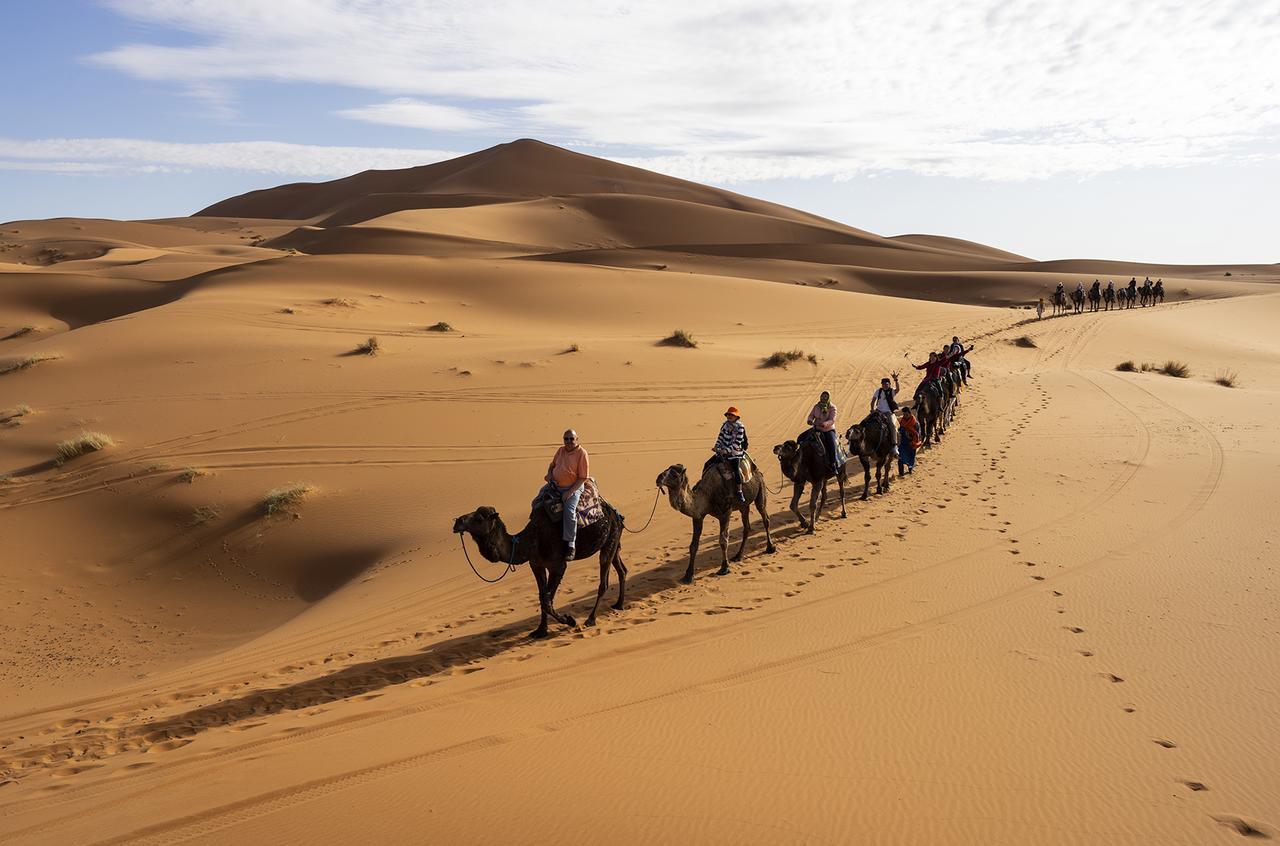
{"points": [[569, 520], [1098, 298]]}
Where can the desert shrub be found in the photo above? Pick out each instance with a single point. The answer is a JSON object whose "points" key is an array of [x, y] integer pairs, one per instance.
{"points": [[204, 514], [1177, 369], [369, 347], [10, 416], [190, 474], [782, 358], [28, 361], [678, 338], [1026, 341], [286, 310], [438, 327], [83, 443], [1226, 378], [572, 348], [1228, 273], [278, 499], [18, 333], [340, 302], [813, 358], [1127, 367]]}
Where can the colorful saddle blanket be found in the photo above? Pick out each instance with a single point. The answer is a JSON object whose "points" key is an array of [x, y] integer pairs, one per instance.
{"points": [[590, 505], [842, 449], [726, 469]]}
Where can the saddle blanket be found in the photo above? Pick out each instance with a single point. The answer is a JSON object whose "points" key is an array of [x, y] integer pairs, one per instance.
{"points": [[726, 469], [590, 504], [842, 448]]}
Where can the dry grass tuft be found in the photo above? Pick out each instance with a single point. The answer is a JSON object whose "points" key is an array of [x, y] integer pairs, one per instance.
{"points": [[340, 302], [369, 347], [18, 333], [278, 499], [190, 474], [813, 358], [287, 310], [679, 338], [10, 416], [29, 361], [1177, 369], [203, 514], [572, 348], [1026, 342], [783, 358], [438, 327], [1127, 367], [1227, 378], [83, 443]]}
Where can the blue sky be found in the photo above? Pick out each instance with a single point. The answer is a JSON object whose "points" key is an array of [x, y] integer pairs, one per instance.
{"points": [[1146, 131]]}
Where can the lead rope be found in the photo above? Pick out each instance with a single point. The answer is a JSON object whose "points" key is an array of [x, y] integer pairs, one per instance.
{"points": [[656, 495], [511, 568]]}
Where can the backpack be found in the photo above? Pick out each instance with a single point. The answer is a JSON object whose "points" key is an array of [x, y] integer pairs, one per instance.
{"points": [[893, 403]]}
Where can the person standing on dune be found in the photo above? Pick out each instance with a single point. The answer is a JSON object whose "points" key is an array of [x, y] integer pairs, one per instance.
{"points": [[823, 420], [567, 473], [1040, 309], [731, 446]]}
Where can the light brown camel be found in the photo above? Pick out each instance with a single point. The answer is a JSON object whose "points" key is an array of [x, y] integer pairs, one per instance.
{"points": [[715, 497], [541, 544]]}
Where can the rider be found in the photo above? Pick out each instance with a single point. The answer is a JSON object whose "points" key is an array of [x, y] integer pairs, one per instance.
{"points": [[1080, 289], [731, 446], [933, 370], [823, 420], [566, 474], [956, 351], [884, 404], [1060, 295]]}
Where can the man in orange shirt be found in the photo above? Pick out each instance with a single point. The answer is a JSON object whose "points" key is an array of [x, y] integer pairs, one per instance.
{"points": [[568, 472]]}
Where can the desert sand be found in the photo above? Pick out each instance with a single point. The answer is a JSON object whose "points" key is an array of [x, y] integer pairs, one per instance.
{"points": [[1062, 628]]}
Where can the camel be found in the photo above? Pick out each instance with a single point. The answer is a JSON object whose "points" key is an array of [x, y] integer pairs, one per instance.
{"points": [[1077, 301], [867, 440], [1109, 298], [804, 462], [540, 543], [713, 496], [1095, 297], [928, 407], [1157, 293], [1059, 300]]}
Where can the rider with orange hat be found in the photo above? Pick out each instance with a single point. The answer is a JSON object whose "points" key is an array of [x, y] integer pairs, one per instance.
{"points": [[731, 446]]}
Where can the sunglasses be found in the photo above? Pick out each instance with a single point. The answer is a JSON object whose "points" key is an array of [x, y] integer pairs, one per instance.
{"points": [[569, 440]]}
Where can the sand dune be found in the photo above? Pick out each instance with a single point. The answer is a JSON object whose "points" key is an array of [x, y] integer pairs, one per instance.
{"points": [[1061, 629]]}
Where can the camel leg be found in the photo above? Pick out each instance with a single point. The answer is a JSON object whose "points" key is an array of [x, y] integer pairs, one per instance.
{"points": [[866, 476], [687, 578], [815, 491], [798, 489], [840, 480], [540, 574], [553, 584], [606, 559], [621, 569], [763, 508], [724, 546], [746, 531]]}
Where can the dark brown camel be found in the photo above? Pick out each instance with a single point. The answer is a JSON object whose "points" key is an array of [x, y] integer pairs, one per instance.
{"points": [[928, 408], [540, 543], [805, 463], [870, 439], [713, 496]]}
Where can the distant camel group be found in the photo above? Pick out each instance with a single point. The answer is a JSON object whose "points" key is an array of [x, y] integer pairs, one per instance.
{"points": [[1105, 299], [802, 462]]}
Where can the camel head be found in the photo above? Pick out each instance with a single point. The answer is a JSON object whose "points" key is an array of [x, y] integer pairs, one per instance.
{"points": [[788, 454], [479, 522], [854, 437], [673, 478]]}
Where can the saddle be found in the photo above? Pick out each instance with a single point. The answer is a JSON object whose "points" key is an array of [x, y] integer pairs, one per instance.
{"points": [[877, 424], [811, 434], [590, 505], [745, 465]]}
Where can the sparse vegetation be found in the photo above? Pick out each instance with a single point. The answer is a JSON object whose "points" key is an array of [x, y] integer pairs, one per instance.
{"points": [[369, 347], [11, 416], [340, 302], [1226, 378], [1228, 273], [464, 372], [28, 361], [18, 333], [83, 443], [190, 474], [678, 338], [286, 310], [438, 327], [6, 479], [1025, 341], [1177, 369], [784, 358], [278, 499], [204, 514], [1127, 367], [813, 358], [572, 348]]}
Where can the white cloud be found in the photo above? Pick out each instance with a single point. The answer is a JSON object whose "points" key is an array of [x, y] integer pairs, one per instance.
{"points": [[406, 111], [132, 155], [994, 89]]}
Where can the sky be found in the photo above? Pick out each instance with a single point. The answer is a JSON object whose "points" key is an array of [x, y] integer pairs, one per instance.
{"points": [[1147, 131]]}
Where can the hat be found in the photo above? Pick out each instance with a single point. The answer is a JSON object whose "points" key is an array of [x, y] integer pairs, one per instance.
{"points": [[733, 409]]}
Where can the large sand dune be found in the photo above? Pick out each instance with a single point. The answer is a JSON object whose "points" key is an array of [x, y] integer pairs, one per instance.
{"points": [[1061, 629]]}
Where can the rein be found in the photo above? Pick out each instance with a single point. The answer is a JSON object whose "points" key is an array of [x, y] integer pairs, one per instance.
{"points": [[656, 495], [511, 567]]}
